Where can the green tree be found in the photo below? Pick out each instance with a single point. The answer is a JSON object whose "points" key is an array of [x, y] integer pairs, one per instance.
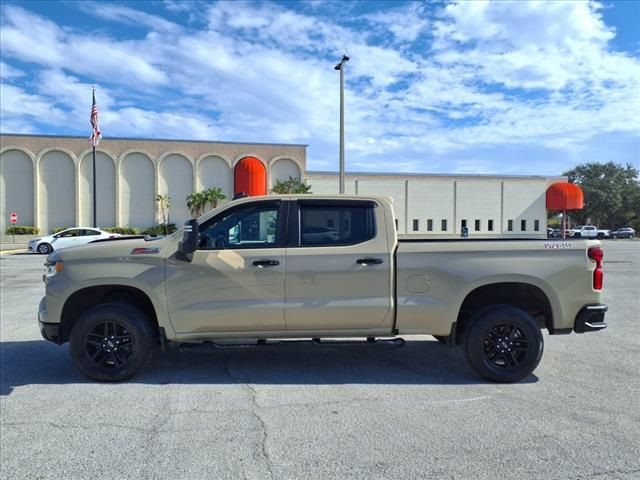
{"points": [[611, 194], [291, 185]]}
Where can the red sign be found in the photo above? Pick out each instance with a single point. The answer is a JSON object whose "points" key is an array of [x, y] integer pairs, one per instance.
{"points": [[14, 217]]}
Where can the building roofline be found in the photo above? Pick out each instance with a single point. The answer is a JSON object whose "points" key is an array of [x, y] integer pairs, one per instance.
{"points": [[423, 175], [156, 140]]}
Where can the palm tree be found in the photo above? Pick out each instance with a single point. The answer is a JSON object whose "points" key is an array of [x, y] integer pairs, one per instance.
{"points": [[291, 185], [213, 196], [195, 203], [164, 203]]}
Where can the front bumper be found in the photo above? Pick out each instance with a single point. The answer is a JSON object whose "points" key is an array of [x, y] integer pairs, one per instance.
{"points": [[49, 331], [590, 319]]}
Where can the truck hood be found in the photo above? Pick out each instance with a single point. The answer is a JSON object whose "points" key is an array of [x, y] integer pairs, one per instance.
{"points": [[118, 249]]}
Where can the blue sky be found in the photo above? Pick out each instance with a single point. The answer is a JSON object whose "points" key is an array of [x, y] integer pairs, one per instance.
{"points": [[524, 87]]}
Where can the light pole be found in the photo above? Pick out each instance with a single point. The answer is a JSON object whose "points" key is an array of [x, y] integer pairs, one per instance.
{"points": [[340, 66]]}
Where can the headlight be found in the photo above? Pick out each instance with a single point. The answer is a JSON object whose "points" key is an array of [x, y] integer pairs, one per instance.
{"points": [[53, 267]]}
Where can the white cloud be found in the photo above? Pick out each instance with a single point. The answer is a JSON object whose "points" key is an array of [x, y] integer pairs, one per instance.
{"points": [[8, 72], [129, 16], [406, 23]]}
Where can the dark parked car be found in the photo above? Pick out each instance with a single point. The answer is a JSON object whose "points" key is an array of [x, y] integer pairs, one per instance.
{"points": [[554, 233], [624, 232]]}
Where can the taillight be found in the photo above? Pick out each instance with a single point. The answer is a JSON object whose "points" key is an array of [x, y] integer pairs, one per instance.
{"points": [[597, 254]]}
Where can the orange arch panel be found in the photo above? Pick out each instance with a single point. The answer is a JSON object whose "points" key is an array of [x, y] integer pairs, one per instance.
{"points": [[564, 196], [250, 177]]}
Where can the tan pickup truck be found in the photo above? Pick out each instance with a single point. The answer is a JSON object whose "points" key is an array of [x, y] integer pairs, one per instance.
{"points": [[316, 267]]}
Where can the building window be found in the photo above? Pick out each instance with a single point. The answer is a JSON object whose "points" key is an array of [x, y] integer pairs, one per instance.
{"points": [[510, 225], [396, 220], [523, 225], [463, 223], [536, 225], [477, 225], [490, 225], [415, 225], [430, 225], [444, 225]]}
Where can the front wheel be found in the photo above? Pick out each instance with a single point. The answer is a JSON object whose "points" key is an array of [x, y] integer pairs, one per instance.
{"points": [[503, 344], [111, 342], [45, 248]]}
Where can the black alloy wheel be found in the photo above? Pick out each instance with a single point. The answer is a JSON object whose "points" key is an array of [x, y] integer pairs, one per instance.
{"points": [[109, 345], [112, 342], [503, 344]]}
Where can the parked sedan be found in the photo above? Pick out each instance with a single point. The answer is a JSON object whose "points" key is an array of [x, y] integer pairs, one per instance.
{"points": [[68, 238], [624, 232]]}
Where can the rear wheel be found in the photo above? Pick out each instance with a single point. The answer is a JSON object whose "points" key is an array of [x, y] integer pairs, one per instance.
{"points": [[577, 235], [503, 344], [45, 248], [111, 342]]}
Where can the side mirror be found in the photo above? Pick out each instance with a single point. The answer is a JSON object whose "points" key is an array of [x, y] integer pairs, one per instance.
{"points": [[189, 243]]}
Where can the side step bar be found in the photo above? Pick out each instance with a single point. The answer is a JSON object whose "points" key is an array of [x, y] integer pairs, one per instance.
{"points": [[316, 342]]}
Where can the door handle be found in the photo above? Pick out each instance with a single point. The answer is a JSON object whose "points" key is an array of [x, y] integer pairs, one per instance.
{"points": [[369, 261], [265, 263]]}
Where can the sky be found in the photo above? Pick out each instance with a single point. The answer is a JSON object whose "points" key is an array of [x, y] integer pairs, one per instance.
{"points": [[504, 87]]}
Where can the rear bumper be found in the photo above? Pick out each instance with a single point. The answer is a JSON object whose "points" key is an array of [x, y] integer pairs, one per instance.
{"points": [[590, 319]]}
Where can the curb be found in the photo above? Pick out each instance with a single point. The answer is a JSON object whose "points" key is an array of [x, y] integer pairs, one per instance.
{"points": [[5, 252]]}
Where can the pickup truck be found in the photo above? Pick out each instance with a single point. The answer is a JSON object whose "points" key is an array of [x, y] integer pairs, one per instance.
{"points": [[589, 231], [256, 271]]}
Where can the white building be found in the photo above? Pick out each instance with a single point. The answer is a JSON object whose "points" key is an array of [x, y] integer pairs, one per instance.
{"points": [[47, 181]]}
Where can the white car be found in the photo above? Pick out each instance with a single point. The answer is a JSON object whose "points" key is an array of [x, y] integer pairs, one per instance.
{"points": [[68, 238]]}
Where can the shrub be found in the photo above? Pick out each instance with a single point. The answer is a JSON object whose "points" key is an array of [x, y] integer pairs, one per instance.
{"points": [[123, 230], [160, 230], [23, 230]]}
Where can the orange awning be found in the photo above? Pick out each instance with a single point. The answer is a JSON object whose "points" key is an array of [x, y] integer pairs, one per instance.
{"points": [[250, 177], [564, 196]]}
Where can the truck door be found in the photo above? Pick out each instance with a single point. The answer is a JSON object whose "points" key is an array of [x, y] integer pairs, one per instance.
{"points": [[339, 273], [235, 280]]}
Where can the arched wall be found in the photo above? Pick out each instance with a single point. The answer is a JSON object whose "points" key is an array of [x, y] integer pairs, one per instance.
{"points": [[105, 190], [137, 190], [214, 171], [57, 199], [282, 169], [176, 179], [16, 188]]}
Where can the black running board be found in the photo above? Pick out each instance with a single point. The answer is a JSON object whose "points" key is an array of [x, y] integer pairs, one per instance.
{"points": [[316, 342]]}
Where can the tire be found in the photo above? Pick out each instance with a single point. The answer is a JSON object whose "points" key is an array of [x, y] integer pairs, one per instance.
{"points": [[45, 248], [440, 338], [600, 236], [127, 331], [577, 235], [503, 344]]}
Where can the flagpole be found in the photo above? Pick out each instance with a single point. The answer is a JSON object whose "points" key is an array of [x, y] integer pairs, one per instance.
{"points": [[95, 217]]}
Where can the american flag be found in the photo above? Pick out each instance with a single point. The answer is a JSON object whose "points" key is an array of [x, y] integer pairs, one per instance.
{"points": [[96, 135]]}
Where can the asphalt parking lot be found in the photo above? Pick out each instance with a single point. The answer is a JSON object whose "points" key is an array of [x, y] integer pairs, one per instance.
{"points": [[320, 412]]}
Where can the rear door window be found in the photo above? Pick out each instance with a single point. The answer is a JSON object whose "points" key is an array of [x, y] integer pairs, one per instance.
{"points": [[326, 225]]}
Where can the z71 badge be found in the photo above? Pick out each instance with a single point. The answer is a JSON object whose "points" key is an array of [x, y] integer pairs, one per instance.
{"points": [[143, 250], [558, 245]]}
